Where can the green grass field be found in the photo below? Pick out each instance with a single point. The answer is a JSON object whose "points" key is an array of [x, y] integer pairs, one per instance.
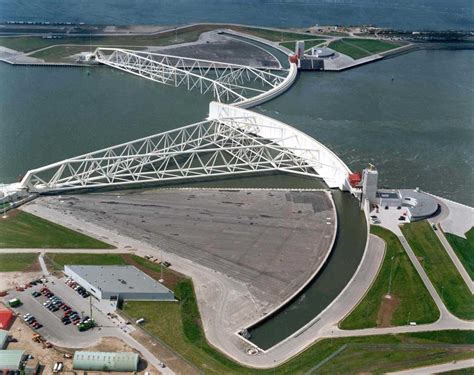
{"points": [[414, 301], [31, 43], [179, 326], [308, 44], [359, 48], [440, 269], [18, 262], [464, 249], [23, 230], [465, 371], [58, 260], [272, 35]]}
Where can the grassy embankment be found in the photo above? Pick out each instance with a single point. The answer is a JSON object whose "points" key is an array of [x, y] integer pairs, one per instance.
{"points": [[179, 326], [308, 44], [359, 48], [71, 45], [23, 262], [271, 35], [410, 299], [464, 249], [24, 230], [440, 269]]}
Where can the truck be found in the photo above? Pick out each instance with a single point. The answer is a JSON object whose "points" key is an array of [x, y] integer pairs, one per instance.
{"points": [[84, 326], [15, 302]]}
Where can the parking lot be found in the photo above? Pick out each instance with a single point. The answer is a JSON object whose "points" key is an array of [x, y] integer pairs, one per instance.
{"points": [[53, 329]]}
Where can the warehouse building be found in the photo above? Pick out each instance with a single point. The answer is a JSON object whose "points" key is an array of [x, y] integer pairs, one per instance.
{"points": [[11, 360], [105, 361], [118, 283], [6, 319]]}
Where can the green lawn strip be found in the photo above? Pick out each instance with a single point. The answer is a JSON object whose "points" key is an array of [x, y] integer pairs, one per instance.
{"points": [[308, 43], [464, 249], [272, 35], [348, 49], [58, 260], [359, 48], [17, 262], [31, 43], [463, 371], [372, 45], [24, 230], [178, 325], [415, 303], [440, 269]]}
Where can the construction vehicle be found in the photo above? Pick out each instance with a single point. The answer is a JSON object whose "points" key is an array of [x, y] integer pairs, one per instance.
{"points": [[41, 340]]}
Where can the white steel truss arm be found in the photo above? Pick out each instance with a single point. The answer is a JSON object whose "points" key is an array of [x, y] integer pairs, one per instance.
{"points": [[228, 83]]}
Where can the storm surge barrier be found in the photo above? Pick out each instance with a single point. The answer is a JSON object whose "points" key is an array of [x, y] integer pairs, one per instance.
{"points": [[232, 141]]}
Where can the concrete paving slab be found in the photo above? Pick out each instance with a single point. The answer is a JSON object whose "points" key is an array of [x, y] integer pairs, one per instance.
{"points": [[271, 240]]}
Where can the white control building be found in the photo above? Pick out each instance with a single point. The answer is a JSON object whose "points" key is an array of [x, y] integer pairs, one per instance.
{"points": [[118, 283]]}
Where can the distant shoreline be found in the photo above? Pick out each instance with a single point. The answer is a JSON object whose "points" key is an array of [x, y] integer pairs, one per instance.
{"points": [[41, 44]]}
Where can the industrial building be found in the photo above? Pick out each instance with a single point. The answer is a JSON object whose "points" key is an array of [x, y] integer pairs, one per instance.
{"points": [[11, 360], [105, 361], [418, 205], [6, 318], [118, 283]]}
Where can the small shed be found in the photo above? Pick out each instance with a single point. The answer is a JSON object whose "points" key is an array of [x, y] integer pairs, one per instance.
{"points": [[105, 361], [6, 318], [11, 359]]}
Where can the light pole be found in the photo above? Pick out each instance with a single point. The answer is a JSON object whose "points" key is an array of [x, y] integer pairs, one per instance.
{"points": [[161, 266]]}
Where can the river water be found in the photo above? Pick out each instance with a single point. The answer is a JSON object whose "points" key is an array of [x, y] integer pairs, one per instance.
{"points": [[400, 14], [417, 128], [411, 116]]}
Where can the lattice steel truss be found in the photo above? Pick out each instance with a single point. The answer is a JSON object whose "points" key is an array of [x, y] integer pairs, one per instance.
{"points": [[209, 148], [228, 83]]}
